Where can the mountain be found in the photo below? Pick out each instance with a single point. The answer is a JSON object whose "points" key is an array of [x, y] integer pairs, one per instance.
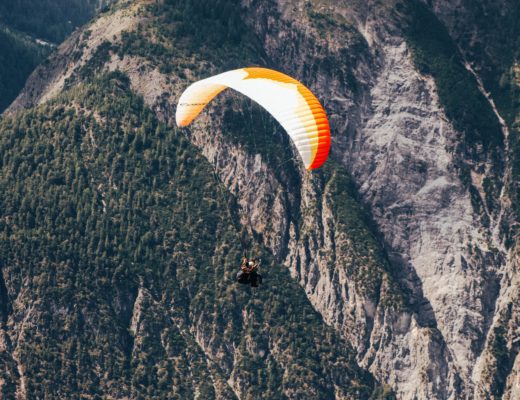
{"points": [[29, 30], [50, 20], [19, 55], [392, 272]]}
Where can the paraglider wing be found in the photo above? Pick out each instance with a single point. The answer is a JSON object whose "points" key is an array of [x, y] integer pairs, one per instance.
{"points": [[286, 99]]}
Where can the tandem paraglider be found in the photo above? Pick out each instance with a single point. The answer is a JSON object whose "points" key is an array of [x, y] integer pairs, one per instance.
{"points": [[292, 104], [248, 273]]}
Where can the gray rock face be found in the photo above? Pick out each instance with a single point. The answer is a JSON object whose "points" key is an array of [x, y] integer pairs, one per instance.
{"points": [[487, 36], [406, 173], [400, 148]]}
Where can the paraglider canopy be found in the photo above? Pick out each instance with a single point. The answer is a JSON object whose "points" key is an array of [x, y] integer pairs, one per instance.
{"points": [[292, 104]]}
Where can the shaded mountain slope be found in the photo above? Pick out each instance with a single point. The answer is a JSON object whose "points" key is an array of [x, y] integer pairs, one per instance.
{"points": [[30, 30], [50, 20], [19, 55]]}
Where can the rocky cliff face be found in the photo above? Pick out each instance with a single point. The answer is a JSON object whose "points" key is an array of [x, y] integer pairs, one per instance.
{"points": [[488, 39], [405, 242]]}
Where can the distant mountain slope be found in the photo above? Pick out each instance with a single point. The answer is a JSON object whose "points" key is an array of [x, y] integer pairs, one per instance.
{"points": [[29, 29], [50, 20], [19, 55]]}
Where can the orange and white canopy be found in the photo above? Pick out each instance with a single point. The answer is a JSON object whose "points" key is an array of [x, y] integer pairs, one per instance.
{"points": [[290, 102]]}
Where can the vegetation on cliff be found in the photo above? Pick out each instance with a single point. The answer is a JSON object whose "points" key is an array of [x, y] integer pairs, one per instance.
{"points": [[19, 55], [118, 245], [50, 20], [29, 30]]}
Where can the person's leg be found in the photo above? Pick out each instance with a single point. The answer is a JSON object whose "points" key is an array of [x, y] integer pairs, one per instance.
{"points": [[242, 277], [254, 279]]}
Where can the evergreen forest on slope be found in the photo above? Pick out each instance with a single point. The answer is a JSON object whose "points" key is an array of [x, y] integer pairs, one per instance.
{"points": [[29, 30]]}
